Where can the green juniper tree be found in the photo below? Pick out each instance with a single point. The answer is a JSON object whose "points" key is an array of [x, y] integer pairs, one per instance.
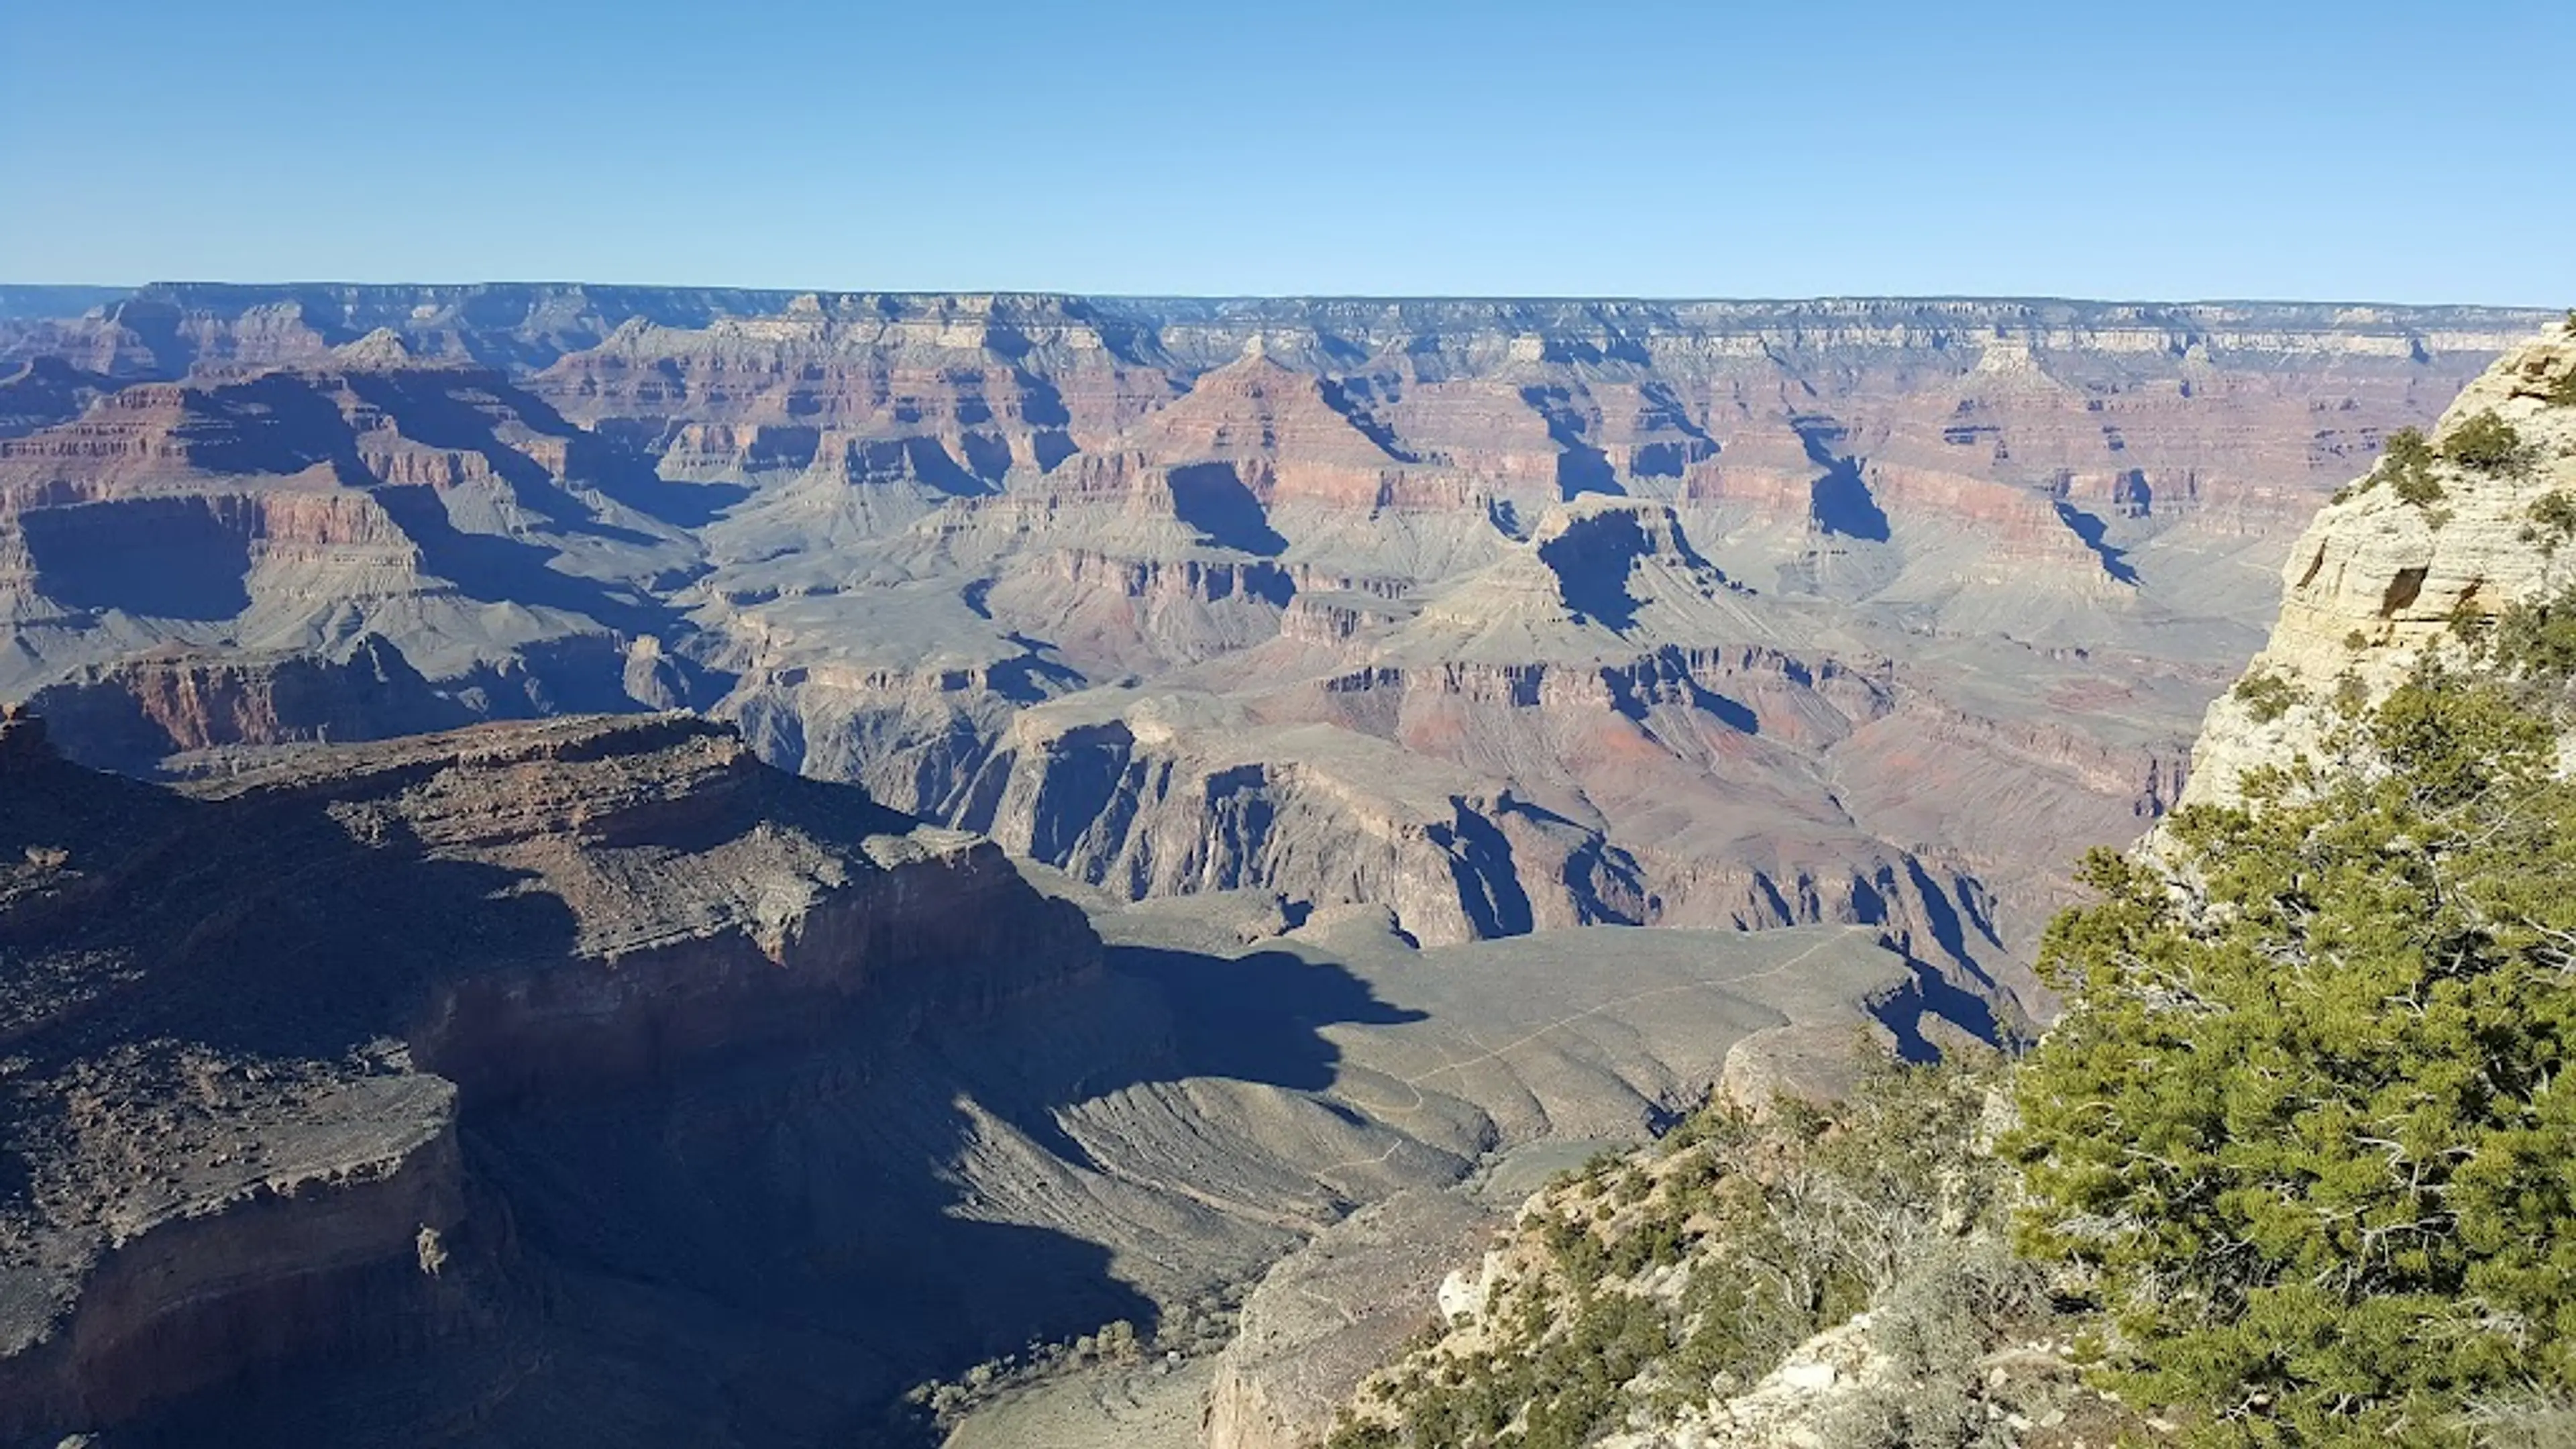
{"points": [[2306, 1129]]}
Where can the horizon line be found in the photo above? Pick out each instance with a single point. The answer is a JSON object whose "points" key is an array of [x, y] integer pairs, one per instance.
{"points": [[1667, 299]]}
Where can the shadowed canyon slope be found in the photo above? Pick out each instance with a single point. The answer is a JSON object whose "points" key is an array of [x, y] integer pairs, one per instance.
{"points": [[1502, 616], [385, 1053], [588, 1081]]}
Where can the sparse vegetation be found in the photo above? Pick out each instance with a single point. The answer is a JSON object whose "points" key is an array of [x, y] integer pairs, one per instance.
{"points": [[1201, 1327], [2407, 449], [2265, 695], [2406, 464], [1728, 1244], [2553, 519], [2534, 642], [2485, 443], [2420, 489], [2562, 393]]}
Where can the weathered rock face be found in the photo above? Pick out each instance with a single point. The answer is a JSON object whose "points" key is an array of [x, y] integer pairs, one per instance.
{"points": [[2377, 576], [1329, 1315], [246, 1024], [1528, 613], [141, 711]]}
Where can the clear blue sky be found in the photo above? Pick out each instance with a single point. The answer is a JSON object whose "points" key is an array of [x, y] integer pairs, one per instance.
{"points": [[2273, 148]]}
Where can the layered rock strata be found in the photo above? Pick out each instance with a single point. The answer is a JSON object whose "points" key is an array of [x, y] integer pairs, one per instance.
{"points": [[1506, 615], [244, 1025]]}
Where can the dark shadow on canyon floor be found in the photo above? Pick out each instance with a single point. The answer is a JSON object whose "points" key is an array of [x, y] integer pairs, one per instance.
{"points": [[1839, 501], [1212, 498], [1592, 564], [2090, 529], [1255, 1018]]}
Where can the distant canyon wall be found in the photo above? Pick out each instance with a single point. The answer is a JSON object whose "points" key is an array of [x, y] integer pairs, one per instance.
{"points": [[1501, 614]]}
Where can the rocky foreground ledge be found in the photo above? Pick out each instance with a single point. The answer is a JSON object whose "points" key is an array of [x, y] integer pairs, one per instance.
{"points": [[242, 1025]]}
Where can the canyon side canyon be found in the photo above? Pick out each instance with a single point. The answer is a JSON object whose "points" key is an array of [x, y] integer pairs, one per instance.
{"points": [[455, 993]]}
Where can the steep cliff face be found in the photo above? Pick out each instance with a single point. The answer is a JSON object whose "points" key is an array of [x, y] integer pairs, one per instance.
{"points": [[142, 711], [502, 557], [2406, 554], [246, 1026]]}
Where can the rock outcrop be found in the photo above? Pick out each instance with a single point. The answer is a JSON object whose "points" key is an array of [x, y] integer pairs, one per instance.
{"points": [[245, 1023], [1328, 1315], [2402, 556]]}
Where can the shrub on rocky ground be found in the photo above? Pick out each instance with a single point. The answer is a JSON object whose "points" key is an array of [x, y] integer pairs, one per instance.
{"points": [[1937, 1325], [2532, 642], [2553, 519], [2487, 443], [2266, 696], [1649, 1284], [2405, 463]]}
